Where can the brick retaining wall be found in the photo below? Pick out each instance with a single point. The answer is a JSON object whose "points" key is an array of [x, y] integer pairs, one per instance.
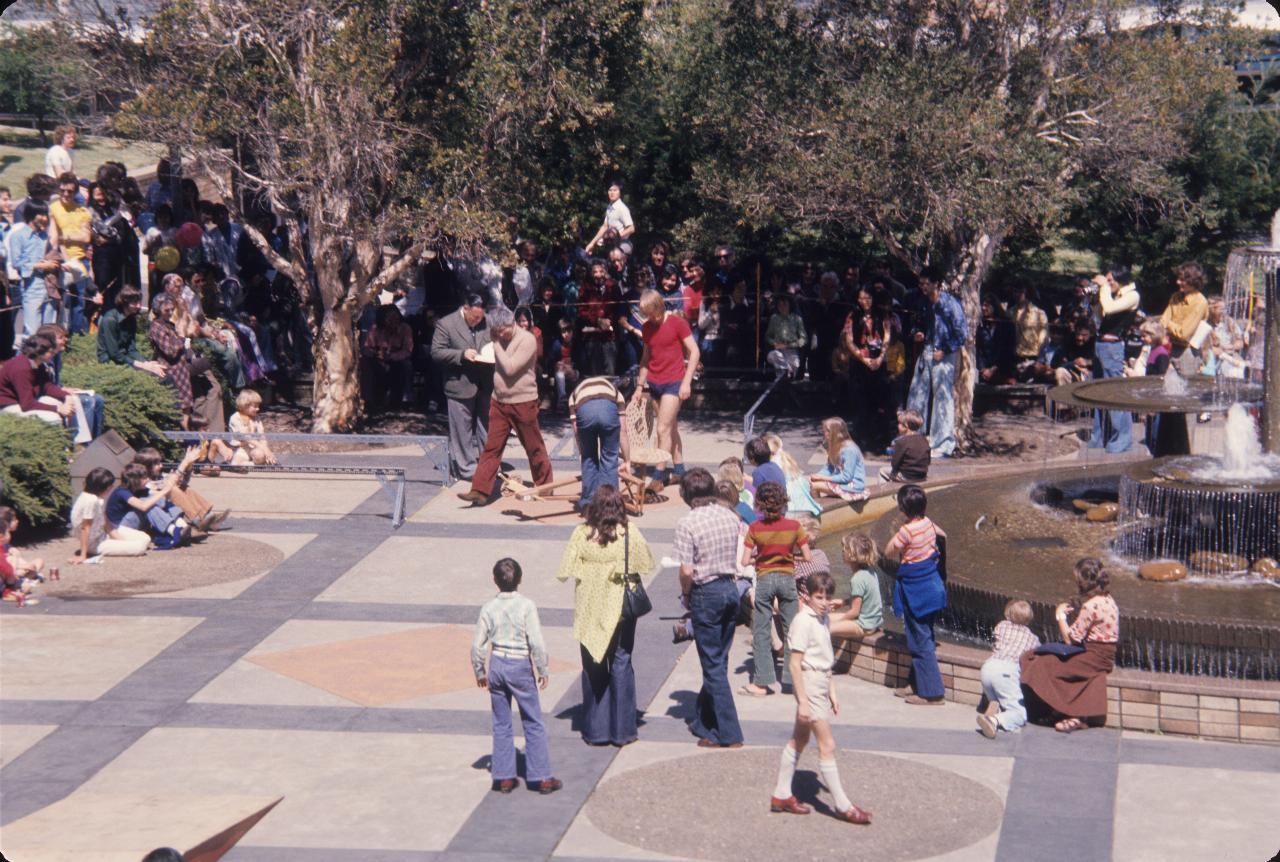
{"points": [[1236, 710]]}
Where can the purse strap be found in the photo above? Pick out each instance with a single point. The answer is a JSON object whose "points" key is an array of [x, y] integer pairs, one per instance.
{"points": [[626, 553]]}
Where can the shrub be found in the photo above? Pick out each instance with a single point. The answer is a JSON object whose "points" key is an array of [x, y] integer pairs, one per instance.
{"points": [[138, 405], [35, 476]]}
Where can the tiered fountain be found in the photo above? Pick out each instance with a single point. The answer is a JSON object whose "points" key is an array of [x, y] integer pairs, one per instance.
{"points": [[1210, 524]]}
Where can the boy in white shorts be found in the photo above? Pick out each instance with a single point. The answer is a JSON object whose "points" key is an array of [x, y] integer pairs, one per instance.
{"points": [[811, 659]]}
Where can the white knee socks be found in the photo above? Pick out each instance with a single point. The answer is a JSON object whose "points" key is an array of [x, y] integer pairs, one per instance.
{"points": [[786, 771], [831, 778]]}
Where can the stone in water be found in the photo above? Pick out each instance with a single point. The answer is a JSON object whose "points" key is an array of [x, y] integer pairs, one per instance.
{"points": [[1217, 561], [1267, 567], [1104, 513], [1162, 570]]}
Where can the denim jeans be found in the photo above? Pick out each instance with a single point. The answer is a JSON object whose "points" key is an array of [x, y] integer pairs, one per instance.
{"points": [[37, 308], [933, 396], [1002, 684], [94, 408], [780, 586], [599, 435], [713, 613], [75, 284], [508, 678], [924, 654], [609, 691], [160, 519], [1112, 429]]}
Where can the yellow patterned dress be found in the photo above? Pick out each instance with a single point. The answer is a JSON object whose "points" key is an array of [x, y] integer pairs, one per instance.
{"points": [[597, 572]]}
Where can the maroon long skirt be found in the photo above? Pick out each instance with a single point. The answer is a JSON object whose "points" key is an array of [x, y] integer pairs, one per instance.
{"points": [[1076, 687]]}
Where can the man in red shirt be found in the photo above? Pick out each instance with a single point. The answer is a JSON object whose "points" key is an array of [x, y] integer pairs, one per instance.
{"points": [[667, 364], [694, 275]]}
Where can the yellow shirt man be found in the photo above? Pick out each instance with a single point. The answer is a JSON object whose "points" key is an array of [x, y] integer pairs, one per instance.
{"points": [[1183, 314], [73, 225]]}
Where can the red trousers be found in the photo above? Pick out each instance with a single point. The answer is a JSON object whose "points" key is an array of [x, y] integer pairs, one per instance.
{"points": [[502, 418]]}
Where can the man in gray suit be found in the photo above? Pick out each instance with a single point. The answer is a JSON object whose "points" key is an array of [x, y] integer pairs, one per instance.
{"points": [[468, 383]]}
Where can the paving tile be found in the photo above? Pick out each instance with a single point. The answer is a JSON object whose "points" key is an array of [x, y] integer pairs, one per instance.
{"points": [[1165, 812], [438, 571], [49, 658], [17, 738], [338, 790], [284, 496]]}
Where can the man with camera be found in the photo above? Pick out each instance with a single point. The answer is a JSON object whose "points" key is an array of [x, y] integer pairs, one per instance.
{"points": [[1116, 297]]}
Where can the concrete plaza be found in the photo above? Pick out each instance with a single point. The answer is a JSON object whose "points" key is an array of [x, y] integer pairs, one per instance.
{"points": [[331, 672]]}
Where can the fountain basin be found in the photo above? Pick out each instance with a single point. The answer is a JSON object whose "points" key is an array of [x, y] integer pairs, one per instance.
{"points": [[1018, 538], [1150, 395], [1169, 509]]}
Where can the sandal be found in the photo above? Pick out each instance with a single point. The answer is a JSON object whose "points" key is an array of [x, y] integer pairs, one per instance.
{"points": [[747, 690], [1069, 725]]}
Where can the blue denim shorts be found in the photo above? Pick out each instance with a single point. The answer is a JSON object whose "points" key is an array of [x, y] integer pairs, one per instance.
{"points": [[657, 390]]}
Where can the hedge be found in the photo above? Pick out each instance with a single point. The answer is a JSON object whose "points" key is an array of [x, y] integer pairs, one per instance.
{"points": [[35, 475], [138, 405]]}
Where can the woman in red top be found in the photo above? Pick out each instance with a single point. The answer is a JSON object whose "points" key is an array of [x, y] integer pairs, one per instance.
{"points": [[666, 373], [24, 381]]}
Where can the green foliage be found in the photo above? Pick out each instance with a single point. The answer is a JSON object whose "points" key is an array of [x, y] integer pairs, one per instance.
{"points": [[35, 75], [35, 476], [138, 405]]}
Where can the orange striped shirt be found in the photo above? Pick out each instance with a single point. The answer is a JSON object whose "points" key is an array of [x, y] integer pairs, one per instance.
{"points": [[919, 540], [776, 544]]}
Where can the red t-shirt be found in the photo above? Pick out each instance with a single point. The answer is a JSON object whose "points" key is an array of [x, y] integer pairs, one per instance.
{"points": [[666, 355], [692, 295], [777, 543]]}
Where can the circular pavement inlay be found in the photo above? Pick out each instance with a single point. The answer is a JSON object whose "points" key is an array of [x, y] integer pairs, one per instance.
{"points": [[716, 807], [220, 558]]}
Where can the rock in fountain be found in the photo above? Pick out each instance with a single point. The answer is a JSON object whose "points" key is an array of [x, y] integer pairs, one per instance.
{"points": [[1218, 514]]}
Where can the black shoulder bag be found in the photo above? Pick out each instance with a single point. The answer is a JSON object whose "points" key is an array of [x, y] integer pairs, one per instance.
{"points": [[635, 601]]}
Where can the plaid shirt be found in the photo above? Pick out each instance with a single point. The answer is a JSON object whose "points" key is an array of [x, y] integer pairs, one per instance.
{"points": [[707, 540], [171, 350], [1012, 640]]}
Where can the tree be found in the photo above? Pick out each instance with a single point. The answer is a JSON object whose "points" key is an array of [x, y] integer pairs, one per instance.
{"points": [[373, 130], [940, 129], [36, 76]]}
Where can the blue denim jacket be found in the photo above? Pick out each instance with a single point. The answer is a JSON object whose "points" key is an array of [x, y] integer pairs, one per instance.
{"points": [[945, 324]]}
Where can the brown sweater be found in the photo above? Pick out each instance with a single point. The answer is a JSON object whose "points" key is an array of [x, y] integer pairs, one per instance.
{"points": [[911, 456], [514, 378]]}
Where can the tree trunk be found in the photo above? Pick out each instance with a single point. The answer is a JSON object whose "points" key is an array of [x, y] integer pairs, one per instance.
{"points": [[967, 279], [336, 389]]}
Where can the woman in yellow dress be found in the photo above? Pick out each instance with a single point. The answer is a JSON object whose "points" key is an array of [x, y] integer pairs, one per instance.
{"points": [[600, 554]]}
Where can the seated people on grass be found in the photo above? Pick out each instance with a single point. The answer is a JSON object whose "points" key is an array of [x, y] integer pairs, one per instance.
{"points": [[27, 388], [92, 405]]}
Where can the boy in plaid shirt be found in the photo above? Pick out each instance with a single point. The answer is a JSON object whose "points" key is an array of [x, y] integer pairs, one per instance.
{"points": [[1001, 674]]}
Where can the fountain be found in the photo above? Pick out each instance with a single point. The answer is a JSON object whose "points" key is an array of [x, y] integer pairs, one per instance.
{"points": [[1211, 521]]}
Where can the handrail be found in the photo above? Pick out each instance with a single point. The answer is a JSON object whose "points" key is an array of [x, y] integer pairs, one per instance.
{"points": [[749, 420]]}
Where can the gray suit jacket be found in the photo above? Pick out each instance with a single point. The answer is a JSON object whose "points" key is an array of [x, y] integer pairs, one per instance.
{"points": [[452, 337]]}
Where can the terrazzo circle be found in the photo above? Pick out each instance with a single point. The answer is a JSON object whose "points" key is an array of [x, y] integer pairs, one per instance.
{"points": [[715, 806]]}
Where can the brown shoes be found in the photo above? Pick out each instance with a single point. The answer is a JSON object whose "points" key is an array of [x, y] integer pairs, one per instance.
{"points": [[473, 497], [506, 785], [855, 815], [790, 805], [905, 691], [547, 785], [917, 700], [703, 742]]}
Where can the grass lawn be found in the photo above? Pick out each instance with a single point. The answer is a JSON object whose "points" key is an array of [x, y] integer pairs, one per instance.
{"points": [[22, 154]]}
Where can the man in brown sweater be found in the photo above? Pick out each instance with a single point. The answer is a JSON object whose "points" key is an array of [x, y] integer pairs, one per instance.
{"points": [[514, 405]]}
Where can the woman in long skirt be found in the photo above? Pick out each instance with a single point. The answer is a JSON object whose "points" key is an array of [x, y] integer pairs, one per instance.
{"points": [[601, 554]]}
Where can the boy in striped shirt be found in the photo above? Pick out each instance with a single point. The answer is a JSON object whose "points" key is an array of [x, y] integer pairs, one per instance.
{"points": [[775, 542], [509, 630]]}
